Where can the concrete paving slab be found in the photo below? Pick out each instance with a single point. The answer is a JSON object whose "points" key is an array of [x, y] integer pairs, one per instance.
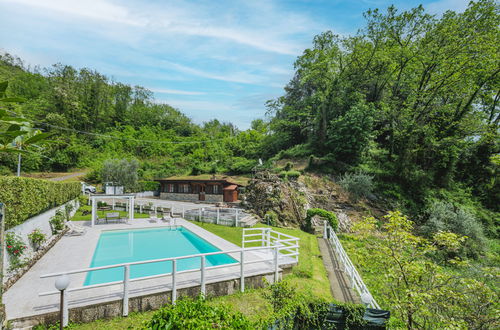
{"points": [[76, 252]]}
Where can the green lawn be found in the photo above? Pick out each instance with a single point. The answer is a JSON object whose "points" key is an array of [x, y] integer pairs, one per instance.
{"points": [[309, 276], [79, 216]]}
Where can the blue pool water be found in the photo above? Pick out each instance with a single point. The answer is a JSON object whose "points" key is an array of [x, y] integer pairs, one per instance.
{"points": [[121, 246]]}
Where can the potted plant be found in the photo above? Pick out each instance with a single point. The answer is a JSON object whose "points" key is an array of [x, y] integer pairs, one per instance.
{"points": [[37, 237]]}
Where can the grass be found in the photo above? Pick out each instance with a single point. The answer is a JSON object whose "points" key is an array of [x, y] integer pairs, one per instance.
{"points": [[241, 180], [80, 216], [309, 277]]}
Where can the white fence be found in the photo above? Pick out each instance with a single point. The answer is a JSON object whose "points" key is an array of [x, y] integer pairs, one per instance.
{"points": [[354, 277], [279, 248], [230, 217], [268, 237]]}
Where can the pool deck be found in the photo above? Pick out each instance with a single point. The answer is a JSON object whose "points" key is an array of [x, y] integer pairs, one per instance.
{"points": [[76, 252]]}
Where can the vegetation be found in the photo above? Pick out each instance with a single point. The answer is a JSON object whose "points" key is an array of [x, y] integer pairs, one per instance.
{"points": [[424, 282], [25, 197], [412, 99], [37, 237], [120, 172], [15, 248], [327, 215], [196, 314], [57, 222]]}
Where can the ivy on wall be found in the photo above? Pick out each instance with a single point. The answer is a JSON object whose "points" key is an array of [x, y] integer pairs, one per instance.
{"points": [[26, 197]]}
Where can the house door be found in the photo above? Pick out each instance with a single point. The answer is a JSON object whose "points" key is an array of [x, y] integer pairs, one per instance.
{"points": [[201, 194]]}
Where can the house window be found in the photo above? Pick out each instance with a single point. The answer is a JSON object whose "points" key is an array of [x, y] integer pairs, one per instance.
{"points": [[216, 190], [183, 188], [170, 188]]}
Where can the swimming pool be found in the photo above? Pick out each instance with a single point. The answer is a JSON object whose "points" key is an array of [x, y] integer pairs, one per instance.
{"points": [[122, 246]]}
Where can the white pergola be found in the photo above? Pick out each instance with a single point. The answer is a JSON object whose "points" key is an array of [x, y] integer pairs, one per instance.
{"points": [[96, 197]]}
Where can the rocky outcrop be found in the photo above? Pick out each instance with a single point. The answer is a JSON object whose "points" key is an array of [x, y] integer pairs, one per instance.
{"points": [[288, 200], [267, 194]]}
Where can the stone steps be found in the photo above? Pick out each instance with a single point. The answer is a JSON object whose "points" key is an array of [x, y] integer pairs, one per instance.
{"points": [[248, 221]]}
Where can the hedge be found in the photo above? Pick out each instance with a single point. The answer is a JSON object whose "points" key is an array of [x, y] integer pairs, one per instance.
{"points": [[26, 197], [328, 215]]}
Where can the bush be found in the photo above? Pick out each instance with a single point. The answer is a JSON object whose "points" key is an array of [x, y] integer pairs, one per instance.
{"points": [[15, 248], [328, 215], [271, 218], [444, 216], [147, 186], [357, 184], [190, 313], [293, 175], [26, 197]]}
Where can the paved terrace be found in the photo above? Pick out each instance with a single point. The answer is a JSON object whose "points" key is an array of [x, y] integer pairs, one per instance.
{"points": [[76, 252]]}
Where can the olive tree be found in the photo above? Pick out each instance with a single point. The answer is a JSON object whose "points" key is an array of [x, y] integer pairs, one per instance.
{"points": [[121, 172]]}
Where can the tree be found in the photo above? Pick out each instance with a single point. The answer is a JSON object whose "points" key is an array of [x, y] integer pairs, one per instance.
{"points": [[120, 172], [423, 291]]}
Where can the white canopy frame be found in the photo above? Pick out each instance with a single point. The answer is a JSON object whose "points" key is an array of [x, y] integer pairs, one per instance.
{"points": [[96, 197]]}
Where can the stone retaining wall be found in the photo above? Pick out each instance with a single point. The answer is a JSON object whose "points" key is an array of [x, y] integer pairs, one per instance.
{"points": [[209, 198], [143, 303], [40, 221]]}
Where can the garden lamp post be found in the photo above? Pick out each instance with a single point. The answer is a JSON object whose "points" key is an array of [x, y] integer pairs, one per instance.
{"points": [[62, 284]]}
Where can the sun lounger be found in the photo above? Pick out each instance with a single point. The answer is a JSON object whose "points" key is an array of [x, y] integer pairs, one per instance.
{"points": [[74, 229], [153, 217]]}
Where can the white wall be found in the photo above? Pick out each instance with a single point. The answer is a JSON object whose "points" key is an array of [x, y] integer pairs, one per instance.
{"points": [[41, 222]]}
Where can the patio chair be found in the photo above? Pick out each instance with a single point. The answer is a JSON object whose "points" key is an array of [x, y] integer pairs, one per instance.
{"points": [[75, 230], [153, 217]]}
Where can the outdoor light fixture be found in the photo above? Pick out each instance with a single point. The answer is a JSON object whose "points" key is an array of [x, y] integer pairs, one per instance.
{"points": [[366, 298], [62, 283]]}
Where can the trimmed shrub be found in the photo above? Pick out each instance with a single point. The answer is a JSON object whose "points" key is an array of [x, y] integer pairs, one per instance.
{"points": [[328, 215], [190, 313], [357, 184], [26, 197]]}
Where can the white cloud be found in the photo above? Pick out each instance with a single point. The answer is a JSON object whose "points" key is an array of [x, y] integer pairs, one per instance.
{"points": [[93, 9], [175, 91], [237, 77]]}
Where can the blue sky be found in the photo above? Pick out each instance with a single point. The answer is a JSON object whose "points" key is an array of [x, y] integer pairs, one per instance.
{"points": [[210, 59]]}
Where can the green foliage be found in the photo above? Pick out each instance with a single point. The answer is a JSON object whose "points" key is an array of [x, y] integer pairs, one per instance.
{"points": [[392, 99], [289, 174], [37, 237], [443, 216], [271, 218], [147, 186], [357, 184], [25, 197], [120, 172], [15, 248], [328, 215], [57, 221], [190, 313], [421, 291], [242, 166]]}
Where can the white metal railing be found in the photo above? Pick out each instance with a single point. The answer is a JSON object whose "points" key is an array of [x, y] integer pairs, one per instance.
{"points": [[278, 258], [269, 237], [354, 277], [219, 215]]}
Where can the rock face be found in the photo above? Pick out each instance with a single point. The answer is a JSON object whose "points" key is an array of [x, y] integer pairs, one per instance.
{"points": [[267, 194], [287, 200]]}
